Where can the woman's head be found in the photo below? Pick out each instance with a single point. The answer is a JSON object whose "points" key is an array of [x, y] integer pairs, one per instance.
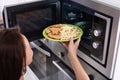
{"points": [[14, 48]]}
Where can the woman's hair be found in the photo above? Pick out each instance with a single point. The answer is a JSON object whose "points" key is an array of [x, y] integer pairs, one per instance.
{"points": [[12, 54]]}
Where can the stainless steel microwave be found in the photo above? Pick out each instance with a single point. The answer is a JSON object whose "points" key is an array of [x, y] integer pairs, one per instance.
{"points": [[98, 21]]}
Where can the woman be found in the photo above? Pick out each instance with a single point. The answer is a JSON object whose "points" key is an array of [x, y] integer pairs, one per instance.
{"points": [[15, 54]]}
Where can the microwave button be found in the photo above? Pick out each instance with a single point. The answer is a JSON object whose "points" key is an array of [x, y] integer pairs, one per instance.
{"points": [[97, 32], [96, 44]]}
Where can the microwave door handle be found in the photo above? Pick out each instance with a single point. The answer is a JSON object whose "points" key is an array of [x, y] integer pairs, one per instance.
{"points": [[62, 70], [40, 49]]}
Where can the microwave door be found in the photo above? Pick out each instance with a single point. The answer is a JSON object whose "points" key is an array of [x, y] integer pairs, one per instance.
{"points": [[33, 17], [62, 72]]}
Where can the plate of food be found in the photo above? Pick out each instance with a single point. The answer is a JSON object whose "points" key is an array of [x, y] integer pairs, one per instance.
{"points": [[62, 32]]}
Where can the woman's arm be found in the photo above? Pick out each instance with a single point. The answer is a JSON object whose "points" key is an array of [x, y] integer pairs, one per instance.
{"points": [[77, 67], [75, 63]]}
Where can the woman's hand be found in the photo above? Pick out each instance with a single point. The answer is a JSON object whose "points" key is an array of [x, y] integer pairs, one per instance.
{"points": [[72, 47], [79, 71]]}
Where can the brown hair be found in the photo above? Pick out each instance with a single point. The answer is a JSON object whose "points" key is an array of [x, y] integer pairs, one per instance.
{"points": [[12, 54]]}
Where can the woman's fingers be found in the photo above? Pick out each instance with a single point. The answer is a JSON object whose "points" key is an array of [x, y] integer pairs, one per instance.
{"points": [[71, 43], [77, 42], [65, 45]]}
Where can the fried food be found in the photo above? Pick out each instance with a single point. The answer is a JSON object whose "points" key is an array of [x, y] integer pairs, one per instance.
{"points": [[54, 31], [54, 36], [62, 32]]}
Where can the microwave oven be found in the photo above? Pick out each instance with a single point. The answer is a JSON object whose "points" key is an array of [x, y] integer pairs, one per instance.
{"points": [[98, 21]]}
